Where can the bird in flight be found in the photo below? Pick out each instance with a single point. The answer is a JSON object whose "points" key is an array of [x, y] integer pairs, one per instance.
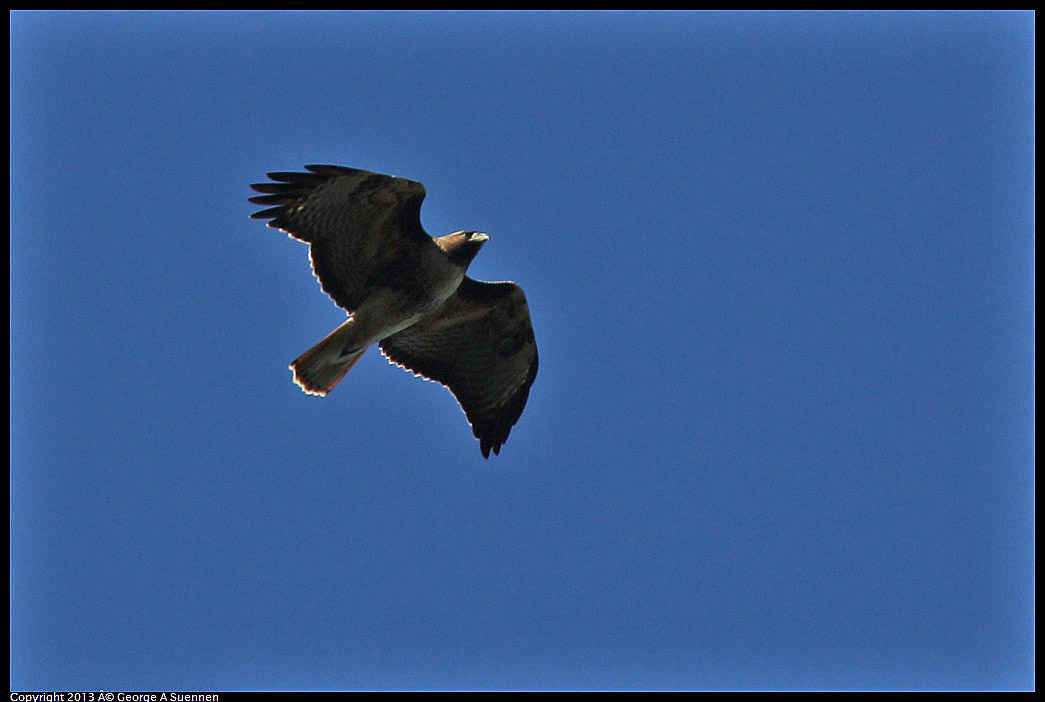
{"points": [[405, 291]]}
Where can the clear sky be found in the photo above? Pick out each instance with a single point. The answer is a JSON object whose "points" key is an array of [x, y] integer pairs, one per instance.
{"points": [[780, 268]]}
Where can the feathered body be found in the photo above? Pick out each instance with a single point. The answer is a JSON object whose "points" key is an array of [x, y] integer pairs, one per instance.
{"points": [[407, 292]]}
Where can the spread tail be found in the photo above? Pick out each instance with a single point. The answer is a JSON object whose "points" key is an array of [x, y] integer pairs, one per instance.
{"points": [[320, 368]]}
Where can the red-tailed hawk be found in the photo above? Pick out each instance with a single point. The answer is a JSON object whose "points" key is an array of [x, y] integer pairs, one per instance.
{"points": [[406, 292]]}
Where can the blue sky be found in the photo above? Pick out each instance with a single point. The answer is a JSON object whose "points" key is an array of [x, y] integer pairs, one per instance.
{"points": [[780, 268]]}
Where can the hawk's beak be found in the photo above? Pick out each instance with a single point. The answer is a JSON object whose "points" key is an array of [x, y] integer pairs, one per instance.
{"points": [[480, 237]]}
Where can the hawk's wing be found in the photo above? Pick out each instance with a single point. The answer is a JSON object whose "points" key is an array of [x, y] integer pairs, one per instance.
{"points": [[362, 226], [481, 347]]}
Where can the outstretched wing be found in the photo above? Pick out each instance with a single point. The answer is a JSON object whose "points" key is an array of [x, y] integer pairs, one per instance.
{"points": [[362, 227], [482, 348]]}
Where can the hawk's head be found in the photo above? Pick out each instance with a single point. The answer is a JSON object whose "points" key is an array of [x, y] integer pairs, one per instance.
{"points": [[462, 247]]}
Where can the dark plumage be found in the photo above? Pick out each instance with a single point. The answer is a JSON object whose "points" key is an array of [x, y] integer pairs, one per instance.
{"points": [[407, 292]]}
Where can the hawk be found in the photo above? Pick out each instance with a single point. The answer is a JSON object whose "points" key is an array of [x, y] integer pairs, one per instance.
{"points": [[407, 292]]}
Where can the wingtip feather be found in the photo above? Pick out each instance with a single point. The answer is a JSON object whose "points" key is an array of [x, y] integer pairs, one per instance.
{"points": [[266, 214]]}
